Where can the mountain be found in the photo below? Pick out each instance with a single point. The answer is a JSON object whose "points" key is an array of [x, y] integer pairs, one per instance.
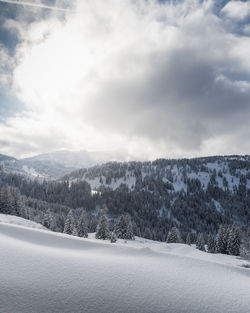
{"points": [[56, 164], [192, 194], [33, 168], [195, 195], [5, 158], [62, 274]]}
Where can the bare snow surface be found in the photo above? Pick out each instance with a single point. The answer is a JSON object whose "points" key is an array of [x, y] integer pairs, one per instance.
{"points": [[42, 271]]}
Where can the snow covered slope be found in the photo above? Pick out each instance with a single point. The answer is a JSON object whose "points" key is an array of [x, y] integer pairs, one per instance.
{"points": [[11, 219], [42, 271]]}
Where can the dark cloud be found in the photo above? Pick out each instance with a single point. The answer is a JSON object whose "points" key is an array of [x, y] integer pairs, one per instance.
{"points": [[183, 98]]}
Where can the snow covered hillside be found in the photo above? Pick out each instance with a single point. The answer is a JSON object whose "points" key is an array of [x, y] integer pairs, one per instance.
{"points": [[42, 271], [11, 219], [173, 173]]}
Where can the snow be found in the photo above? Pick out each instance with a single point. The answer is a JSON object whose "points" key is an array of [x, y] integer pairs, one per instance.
{"points": [[42, 271], [11, 219]]}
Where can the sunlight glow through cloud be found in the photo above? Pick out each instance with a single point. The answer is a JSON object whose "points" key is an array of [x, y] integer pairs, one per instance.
{"points": [[142, 75]]}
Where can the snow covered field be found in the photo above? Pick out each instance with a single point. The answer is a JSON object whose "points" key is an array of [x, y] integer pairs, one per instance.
{"points": [[42, 271]]}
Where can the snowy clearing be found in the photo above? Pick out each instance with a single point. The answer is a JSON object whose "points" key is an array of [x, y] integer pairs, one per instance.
{"points": [[42, 271]]}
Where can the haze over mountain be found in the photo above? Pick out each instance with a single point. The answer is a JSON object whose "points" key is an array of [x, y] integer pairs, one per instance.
{"points": [[56, 164]]}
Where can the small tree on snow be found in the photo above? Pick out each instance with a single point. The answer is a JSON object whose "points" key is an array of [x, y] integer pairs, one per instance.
{"points": [[174, 236], [113, 238], [69, 223], [200, 242], [129, 231], [82, 226], [222, 239], [48, 220], [188, 239], [234, 240], [121, 227], [102, 230], [75, 232], [211, 244], [124, 227]]}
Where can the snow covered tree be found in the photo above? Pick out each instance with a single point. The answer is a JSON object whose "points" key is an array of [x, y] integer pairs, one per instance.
{"points": [[200, 242], [147, 233], [234, 240], [174, 236], [245, 246], [188, 239], [69, 223], [102, 230], [211, 244], [82, 225], [48, 220], [222, 239], [6, 200], [129, 230], [113, 238], [75, 232], [17, 203], [121, 227], [124, 227]]}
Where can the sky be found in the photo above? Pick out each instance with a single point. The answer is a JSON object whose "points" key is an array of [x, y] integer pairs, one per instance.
{"points": [[149, 78]]}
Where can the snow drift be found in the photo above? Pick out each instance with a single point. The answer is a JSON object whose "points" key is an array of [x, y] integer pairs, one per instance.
{"points": [[42, 271]]}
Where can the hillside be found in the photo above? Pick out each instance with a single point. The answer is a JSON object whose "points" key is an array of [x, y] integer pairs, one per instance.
{"points": [[193, 194], [196, 195], [55, 164], [44, 271]]}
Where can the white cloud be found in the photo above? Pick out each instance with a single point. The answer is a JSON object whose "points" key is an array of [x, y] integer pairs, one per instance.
{"points": [[159, 79], [237, 10]]}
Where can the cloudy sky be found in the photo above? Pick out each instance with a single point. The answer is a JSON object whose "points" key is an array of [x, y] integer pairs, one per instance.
{"points": [[150, 78]]}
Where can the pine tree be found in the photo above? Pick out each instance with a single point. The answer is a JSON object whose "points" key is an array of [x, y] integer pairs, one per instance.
{"points": [[17, 203], [6, 200], [113, 238], [69, 223], [174, 236], [129, 228], [234, 240], [188, 239], [102, 230], [75, 232], [121, 227], [82, 225], [48, 220], [211, 244], [222, 240], [200, 242]]}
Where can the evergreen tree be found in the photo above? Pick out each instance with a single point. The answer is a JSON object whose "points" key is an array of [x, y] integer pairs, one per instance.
{"points": [[174, 236], [75, 232], [234, 240], [147, 234], [82, 225], [48, 220], [6, 200], [17, 203], [113, 238], [102, 230], [121, 227], [188, 239], [222, 239], [129, 228], [69, 223], [200, 242], [211, 244]]}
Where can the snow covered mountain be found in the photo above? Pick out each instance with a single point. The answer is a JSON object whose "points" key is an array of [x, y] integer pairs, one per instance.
{"points": [[56, 164], [195, 195], [42, 271], [174, 174]]}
